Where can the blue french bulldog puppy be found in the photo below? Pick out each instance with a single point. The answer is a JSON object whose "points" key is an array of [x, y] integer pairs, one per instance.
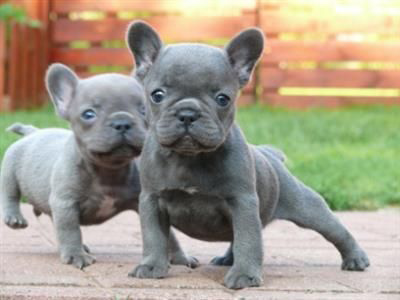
{"points": [[197, 171]]}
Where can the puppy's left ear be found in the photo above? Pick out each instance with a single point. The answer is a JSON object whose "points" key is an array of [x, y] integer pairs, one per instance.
{"points": [[145, 44], [61, 83], [243, 51]]}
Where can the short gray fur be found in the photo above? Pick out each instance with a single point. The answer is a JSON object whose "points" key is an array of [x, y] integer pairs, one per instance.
{"points": [[85, 175], [197, 171]]}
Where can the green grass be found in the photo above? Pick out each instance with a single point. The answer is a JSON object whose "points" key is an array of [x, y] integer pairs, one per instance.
{"points": [[351, 156], [42, 118]]}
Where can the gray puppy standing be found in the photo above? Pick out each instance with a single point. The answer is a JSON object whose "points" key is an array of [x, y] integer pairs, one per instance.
{"points": [[197, 171], [84, 176]]}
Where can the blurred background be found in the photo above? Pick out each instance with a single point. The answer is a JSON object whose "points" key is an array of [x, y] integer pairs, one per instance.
{"points": [[327, 90]]}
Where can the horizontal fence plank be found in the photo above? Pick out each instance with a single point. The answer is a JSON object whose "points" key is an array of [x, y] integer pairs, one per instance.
{"points": [[307, 4], [66, 6], [328, 23], [246, 97], [302, 102], [247, 91], [101, 56], [155, 6], [277, 51], [170, 28], [275, 78], [92, 56]]}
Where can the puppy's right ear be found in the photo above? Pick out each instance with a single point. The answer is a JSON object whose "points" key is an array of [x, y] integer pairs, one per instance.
{"points": [[145, 44], [244, 50], [61, 83]]}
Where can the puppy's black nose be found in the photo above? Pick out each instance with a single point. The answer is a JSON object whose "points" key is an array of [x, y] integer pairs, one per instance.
{"points": [[187, 116], [121, 125]]}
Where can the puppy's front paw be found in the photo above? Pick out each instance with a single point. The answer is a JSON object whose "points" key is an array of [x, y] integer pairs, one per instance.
{"points": [[184, 260], [15, 221], [80, 260], [239, 280], [357, 260], [149, 271], [226, 260]]}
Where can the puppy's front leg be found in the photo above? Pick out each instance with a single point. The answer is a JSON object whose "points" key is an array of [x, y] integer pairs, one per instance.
{"points": [[65, 214], [155, 232], [247, 245]]}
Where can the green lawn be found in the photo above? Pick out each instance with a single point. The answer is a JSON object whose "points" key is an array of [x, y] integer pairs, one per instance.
{"points": [[351, 156]]}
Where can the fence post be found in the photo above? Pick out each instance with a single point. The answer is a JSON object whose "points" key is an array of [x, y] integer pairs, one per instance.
{"points": [[38, 10], [45, 41], [13, 72], [257, 89], [28, 56], [2, 65]]}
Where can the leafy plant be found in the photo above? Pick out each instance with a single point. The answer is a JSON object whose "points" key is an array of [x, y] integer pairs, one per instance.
{"points": [[9, 12]]}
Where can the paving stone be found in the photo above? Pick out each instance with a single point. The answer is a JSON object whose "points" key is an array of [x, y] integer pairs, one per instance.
{"points": [[298, 264]]}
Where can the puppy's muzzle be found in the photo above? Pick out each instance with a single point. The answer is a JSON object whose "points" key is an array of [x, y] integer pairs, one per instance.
{"points": [[121, 122], [187, 117], [122, 126]]}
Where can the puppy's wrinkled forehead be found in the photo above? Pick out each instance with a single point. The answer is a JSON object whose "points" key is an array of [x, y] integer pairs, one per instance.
{"points": [[194, 66], [110, 89]]}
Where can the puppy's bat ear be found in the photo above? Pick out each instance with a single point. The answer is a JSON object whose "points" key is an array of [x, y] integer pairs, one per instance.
{"points": [[61, 83], [243, 51], [145, 44]]}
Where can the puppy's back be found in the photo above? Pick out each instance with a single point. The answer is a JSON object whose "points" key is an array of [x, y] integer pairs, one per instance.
{"points": [[29, 161]]}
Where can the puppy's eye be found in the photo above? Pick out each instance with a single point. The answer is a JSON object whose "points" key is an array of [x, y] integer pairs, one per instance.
{"points": [[88, 115], [222, 100], [157, 96]]}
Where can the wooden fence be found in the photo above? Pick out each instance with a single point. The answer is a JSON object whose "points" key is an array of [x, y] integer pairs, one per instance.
{"points": [[103, 35], [319, 53], [24, 59], [26, 51], [331, 52]]}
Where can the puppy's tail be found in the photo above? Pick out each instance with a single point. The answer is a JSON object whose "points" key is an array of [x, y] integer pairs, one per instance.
{"points": [[22, 129]]}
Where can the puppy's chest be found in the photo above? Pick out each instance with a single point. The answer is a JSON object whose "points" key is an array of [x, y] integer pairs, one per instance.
{"points": [[198, 215], [103, 202], [187, 180]]}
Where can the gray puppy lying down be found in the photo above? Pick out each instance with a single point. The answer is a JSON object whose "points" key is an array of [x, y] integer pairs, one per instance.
{"points": [[85, 175], [197, 172]]}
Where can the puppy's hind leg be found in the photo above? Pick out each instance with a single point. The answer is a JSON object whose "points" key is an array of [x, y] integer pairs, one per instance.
{"points": [[10, 197], [176, 254], [306, 208], [225, 260]]}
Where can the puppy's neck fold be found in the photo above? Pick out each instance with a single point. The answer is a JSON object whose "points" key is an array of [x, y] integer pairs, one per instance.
{"points": [[111, 175]]}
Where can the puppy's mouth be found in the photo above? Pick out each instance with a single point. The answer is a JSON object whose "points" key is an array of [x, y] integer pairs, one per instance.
{"points": [[203, 135], [123, 151], [188, 145]]}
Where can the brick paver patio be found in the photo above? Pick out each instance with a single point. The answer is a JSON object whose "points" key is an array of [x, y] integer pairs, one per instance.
{"points": [[298, 264]]}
